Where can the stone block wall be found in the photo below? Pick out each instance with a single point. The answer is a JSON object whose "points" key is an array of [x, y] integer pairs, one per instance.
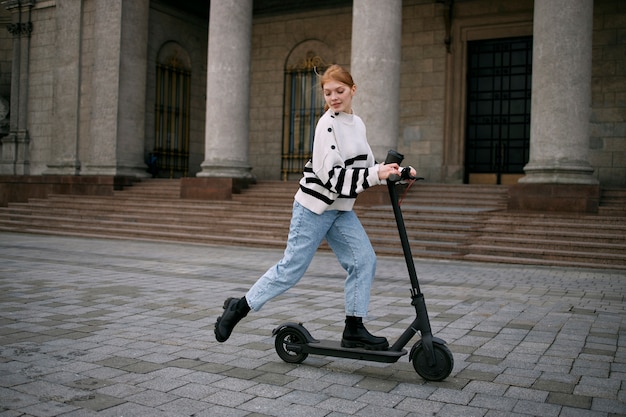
{"points": [[608, 118], [191, 33], [278, 38], [41, 86], [424, 93], [273, 40], [422, 87], [6, 54], [86, 75], [422, 80]]}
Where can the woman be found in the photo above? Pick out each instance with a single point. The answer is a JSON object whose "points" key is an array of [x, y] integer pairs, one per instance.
{"points": [[342, 166]]}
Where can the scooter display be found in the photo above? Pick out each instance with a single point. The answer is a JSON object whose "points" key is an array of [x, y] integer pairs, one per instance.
{"points": [[430, 356]]}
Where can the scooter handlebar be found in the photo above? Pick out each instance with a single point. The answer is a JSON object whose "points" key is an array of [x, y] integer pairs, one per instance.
{"points": [[396, 157], [393, 156]]}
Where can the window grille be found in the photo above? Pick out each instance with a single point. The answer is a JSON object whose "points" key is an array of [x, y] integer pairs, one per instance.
{"points": [[171, 147], [304, 104], [499, 76]]}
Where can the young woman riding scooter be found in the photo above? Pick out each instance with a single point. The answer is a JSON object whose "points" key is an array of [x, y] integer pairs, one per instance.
{"points": [[341, 167]]}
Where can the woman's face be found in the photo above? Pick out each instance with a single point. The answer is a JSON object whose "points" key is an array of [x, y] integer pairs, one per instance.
{"points": [[338, 96]]}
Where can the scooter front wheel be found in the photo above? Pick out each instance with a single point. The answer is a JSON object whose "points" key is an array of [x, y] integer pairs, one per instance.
{"points": [[440, 370], [288, 344]]}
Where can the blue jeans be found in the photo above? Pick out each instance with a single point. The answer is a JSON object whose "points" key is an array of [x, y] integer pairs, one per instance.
{"points": [[346, 237]]}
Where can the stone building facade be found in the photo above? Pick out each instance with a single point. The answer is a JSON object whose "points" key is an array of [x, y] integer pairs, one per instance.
{"points": [[90, 83]]}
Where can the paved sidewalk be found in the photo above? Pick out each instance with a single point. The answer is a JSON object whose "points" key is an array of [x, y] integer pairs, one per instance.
{"points": [[125, 328]]}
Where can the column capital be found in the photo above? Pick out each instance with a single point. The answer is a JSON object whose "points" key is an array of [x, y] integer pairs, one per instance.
{"points": [[20, 29]]}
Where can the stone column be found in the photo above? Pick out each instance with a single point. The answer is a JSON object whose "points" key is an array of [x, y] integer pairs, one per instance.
{"points": [[228, 90], [559, 176], [15, 146], [64, 158], [118, 89], [375, 67], [561, 93]]}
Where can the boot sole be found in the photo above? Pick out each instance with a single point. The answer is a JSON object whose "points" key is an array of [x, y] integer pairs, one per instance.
{"points": [[218, 335]]}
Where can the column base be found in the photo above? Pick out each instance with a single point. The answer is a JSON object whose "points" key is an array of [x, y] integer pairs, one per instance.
{"points": [[571, 198], [206, 188], [570, 172], [112, 170], [68, 168], [14, 159], [21, 188], [213, 170]]}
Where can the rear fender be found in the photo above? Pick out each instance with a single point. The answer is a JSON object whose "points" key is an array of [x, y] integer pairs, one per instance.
{"points": [[299, 328]]}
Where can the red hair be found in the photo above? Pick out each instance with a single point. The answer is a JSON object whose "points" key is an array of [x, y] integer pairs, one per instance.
{"points": [[336, 73]]}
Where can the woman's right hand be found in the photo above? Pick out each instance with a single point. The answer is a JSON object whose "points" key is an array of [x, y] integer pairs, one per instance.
{"points": [[385, 170]]}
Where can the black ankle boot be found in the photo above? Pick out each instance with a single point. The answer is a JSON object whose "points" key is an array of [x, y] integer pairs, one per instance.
{"points": [[234, 310], [355, 335]]}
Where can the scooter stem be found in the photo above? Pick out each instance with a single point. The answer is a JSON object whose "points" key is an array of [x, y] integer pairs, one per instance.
{"points": [[404, 240], [421, 322]]}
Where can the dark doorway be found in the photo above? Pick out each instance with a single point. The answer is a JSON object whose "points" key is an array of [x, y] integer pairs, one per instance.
{"points": [[499, 77]]}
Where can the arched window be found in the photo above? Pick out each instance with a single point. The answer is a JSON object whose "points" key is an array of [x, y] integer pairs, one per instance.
{"points": [[172, 106], [304, 104]]}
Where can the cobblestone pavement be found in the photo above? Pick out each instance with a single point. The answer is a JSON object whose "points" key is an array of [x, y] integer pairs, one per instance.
{"points": [[125, 328]]}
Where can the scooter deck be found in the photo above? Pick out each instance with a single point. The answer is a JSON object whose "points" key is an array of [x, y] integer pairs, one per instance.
{"points": [[334, 348]]}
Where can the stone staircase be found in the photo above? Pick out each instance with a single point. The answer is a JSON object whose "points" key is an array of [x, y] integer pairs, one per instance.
{"points": [[612, 201], [443, 221]]}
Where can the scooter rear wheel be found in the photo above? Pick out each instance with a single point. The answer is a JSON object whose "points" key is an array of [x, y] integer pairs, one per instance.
{"points": [[284, 344], [444, 362]]}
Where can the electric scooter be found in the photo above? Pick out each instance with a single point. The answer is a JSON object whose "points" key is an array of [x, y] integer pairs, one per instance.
{"points": [[431, 358]]}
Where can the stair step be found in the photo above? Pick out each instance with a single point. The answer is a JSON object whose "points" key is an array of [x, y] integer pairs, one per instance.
{"points": [[533, 260], [613, 259], [443, 221], [601, 247]]}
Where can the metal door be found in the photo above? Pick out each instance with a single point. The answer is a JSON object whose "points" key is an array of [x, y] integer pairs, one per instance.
{"points": [[498, 110]]}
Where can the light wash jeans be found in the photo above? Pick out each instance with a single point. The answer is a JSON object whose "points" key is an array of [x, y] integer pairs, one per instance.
{"points": [[347, 238]]}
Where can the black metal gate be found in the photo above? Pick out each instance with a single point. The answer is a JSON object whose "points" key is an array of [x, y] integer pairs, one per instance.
{"points": [[498, 109]]}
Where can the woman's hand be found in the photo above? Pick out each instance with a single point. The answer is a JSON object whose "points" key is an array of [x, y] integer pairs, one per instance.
{"points": [[385, 170]]}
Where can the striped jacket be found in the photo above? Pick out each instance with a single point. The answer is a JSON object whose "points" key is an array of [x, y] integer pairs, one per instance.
{"points": [[341, 167]]}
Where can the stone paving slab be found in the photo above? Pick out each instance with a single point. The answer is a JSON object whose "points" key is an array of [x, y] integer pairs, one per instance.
{"points": [[125, 328]]}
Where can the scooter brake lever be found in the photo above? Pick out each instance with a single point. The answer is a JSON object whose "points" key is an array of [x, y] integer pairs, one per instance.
{"points": [[406, 175]]}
